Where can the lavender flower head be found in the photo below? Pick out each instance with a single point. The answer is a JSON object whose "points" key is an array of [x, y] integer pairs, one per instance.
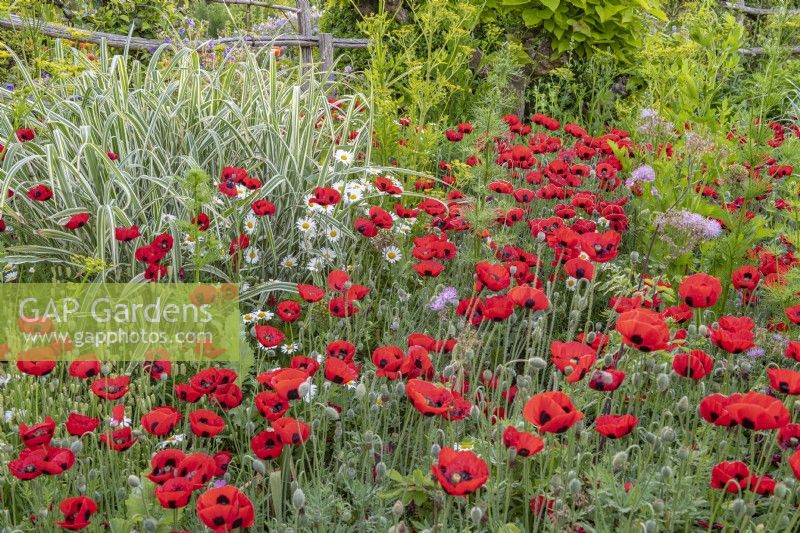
{"points": [[642, 174], [756, 352], [694, 224], [449, 295]]}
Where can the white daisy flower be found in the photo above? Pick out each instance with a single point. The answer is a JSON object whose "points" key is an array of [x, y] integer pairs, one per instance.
{"points": [[172, 440], [289, 262], [251, 255], [328, 254], [290, 348], [343, 156], [247, 318], [311, 391], [315, 264], [241, 191], [392, 254], [352, 196], [572, 283], [333, 234], [306, 225], [264, 315], [250, 223]]}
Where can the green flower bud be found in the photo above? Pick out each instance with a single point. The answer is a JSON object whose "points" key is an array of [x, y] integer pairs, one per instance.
{"points": [[298, 499]]}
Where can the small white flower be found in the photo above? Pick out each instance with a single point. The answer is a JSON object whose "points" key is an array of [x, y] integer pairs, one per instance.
{"points": [[392, 254], [315, 264], [602, 222], [343, 156], [289, 262], [572, 283], [327, 254], [290, 348], [124, 423], [171, 441], [584, 256], [250, 223], [264, 315], [306, 225], [333, 234], [251, 255], [241, 191], [4, 379], [248, 318]]}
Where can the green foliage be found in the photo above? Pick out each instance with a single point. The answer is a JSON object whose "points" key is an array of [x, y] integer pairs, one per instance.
{"points": [[581, 26]]}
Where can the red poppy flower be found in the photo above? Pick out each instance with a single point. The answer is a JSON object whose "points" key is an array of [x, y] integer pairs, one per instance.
{"points": [[600, 247], [417, 363], [288, 310], [37, 434], [202, 221], [794, 463], [573, 359], [494, 277], [174, 493], [734, 334], [695, 364], [789, 436], [428, 398], [679, 313], [429, 268], [700, 290], [271, 405], [78, 425], [163, 465], [784, 380], [28, 465], [228, 397], [746, 277], [77, 511], [25, 134], [341, 372], [341, 308], [310, 293], [713, 408], [732, 476], [36, 368], [224, 509], [286, 382], [460, 472], [206, 423], [340, 349], [793, 350], [161, 420], [606, 380], [762, 485], [77, 221], [263, 208], [84, 368], [758, 412], [579, 268], [127, 234], [198, 468], [266, 444], [526, 444], [268, 336], [387, 360], [615, 426], [551, 412], [40, 193], [112, 155], [119, 440], [111, 388], [643, 329], [308, 365], [291, 431], [793, 313]]}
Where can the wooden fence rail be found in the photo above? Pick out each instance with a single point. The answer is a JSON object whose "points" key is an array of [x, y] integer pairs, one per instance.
{"points": [[305, 39]]}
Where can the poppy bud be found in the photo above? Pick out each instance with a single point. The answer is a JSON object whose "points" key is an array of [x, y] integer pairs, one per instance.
{"points": [[350, 413], [298, 499], [368, 436], [259, 466], [121, 494], [637, 379], [620, 460], [662, 382], [93, 474], [315, 424], [448, 371], [82, 488], [666, 473], [683, 404], [332, 413], [738, 507], [703, 330], [651, 526], [634, 257], [76, 447], [541, 236], [250, 428], [781, 490], [476, 514], [105, 369], [512, 453], [649, 437], [435, 449], [150, 524], [398, 509], [684, 453], [361, 391], [400, 389], [575, 486], [380, 469], [337, 431], [474, 412], [399, 528]]}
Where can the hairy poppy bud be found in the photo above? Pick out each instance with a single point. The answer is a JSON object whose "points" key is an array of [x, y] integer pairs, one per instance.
{"points": [[398, 509], [651, 526], [361, 391], [250, 428], [662, 382], [683, 404], [259, 466], [380, 469], [133, 481], [476, 514], [635, 257], [332, 413], [619, 461], [537, 363], [298, 499], [738, 507], [703, 330], [575, 486], [121, 493], [781, 490], [435, 449], [684, 454], [150, 524], [666, 472], [76, 447]]}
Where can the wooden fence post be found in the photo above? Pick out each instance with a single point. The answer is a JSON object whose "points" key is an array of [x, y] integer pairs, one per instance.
{"points": [[326, 52], [304, 29]]}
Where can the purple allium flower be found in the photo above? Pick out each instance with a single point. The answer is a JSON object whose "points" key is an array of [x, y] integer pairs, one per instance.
{"points": [[449, 295]]}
